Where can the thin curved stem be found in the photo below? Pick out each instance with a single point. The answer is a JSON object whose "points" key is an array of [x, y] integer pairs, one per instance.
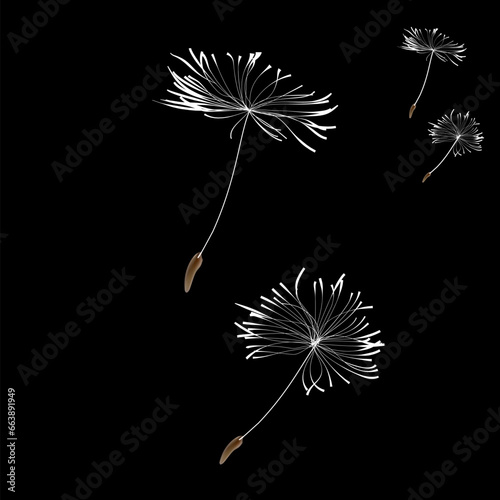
{"points": [[229, 186], [427, 175], [425, 80], [449, 151], [276, 402]]}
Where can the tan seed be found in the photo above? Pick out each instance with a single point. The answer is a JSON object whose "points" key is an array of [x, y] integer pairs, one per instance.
{"points": [[233, 445], [412, 109], [193, 266], [426, 176]]}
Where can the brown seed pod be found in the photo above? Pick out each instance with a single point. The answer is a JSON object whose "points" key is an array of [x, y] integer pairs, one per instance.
{"points": [[426, 176], [233, 445], [193, 266]]}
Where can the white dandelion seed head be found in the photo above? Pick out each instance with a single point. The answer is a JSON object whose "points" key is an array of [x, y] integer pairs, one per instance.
{"points": [[334, 336], [244, 94], [460, 129], [429, 42]]}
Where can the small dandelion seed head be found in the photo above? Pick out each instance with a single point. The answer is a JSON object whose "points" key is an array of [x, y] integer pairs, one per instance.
{"points": [[430, 42], [460, 129], [244, 95], [334, 336]]}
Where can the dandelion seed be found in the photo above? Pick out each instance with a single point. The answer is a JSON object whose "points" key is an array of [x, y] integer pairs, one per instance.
{"points": [[461, 131], [431, 43], [233, 445], [245, 96], [332, 337], [192, 267]]}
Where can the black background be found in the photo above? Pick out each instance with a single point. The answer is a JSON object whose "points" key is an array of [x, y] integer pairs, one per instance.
{"points": [[120, 208]]}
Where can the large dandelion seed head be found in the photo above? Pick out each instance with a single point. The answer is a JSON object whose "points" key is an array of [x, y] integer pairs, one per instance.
{"points": [[334, 335], [429, 42], [247, 93], [461, 129]]}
